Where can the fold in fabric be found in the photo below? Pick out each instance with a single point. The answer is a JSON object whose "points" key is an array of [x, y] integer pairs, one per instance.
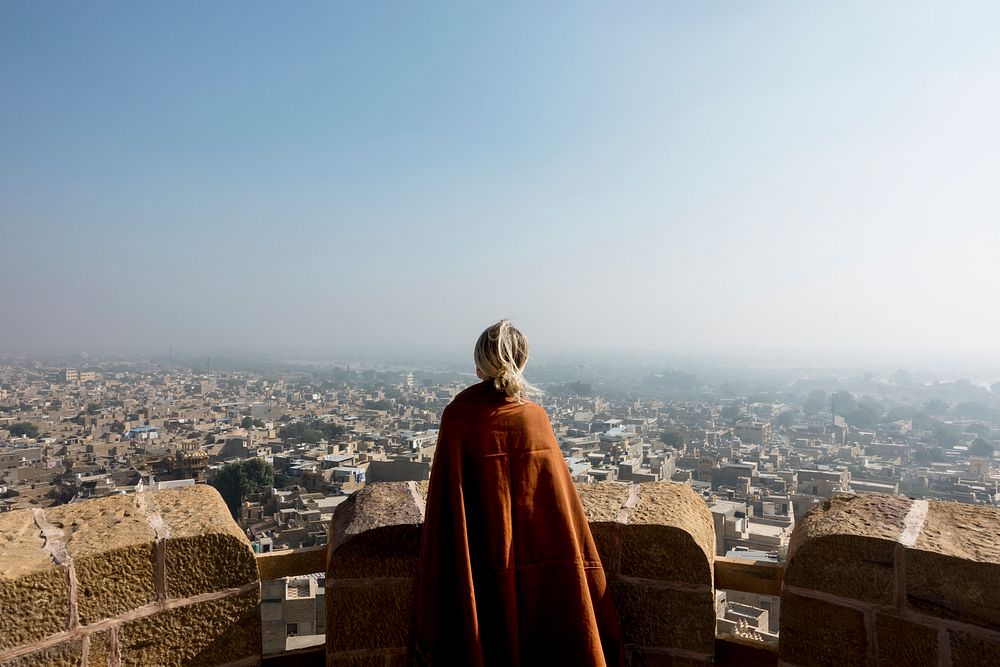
{"points": [[509, 574]]}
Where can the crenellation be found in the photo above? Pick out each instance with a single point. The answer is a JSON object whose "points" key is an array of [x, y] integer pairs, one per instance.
{"points": [[96, 561]]}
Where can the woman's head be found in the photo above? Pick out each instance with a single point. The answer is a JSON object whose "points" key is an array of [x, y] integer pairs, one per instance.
{"points": [[501, 354]]}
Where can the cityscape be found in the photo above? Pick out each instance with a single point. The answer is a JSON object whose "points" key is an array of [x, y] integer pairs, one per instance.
{"points": [[260, 262], [308, 437]]}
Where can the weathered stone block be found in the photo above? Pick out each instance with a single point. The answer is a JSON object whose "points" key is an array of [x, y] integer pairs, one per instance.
{"points": [[370, 615], [820, 634], [602, 502], [664, 552], [206, 550], [968, 650], [847, 547], [99, 653], [669, 536], [902, 642], [376, 533], [639, 657], [207, 633], [391, 551], [608, 540], [660, 617], [955, 554], [676, 506], [34, 599], [368, 660], [400, 659], [66, 654], [375, 506], [111, 544]]}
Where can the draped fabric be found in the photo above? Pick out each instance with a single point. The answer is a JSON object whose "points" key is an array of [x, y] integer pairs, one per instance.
{"points": [[509, 574]]}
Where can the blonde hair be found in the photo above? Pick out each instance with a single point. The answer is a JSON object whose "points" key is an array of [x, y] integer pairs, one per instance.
{"points": [[501, 354]]}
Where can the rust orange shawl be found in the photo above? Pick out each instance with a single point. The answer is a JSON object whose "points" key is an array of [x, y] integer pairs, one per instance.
{"points": [[509, 574]]}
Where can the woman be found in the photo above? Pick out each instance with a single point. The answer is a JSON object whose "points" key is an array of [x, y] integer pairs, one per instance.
{"points": [[509, 574]]}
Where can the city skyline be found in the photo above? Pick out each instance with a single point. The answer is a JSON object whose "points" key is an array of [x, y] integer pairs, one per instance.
{"points": [[800, 182]]}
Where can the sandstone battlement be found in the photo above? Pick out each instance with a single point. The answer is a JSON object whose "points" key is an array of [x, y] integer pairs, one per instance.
{"points": [[167, 578], [144, 579]]}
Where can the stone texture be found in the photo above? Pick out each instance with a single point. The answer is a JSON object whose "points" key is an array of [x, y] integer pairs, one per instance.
{"points": [[969, 650], [376, 533], [678, 506], [34, 600], [821, 634], [206, 550], [111, 544], [375, 506], [390, 551], [66, 654], [371, 660], [400, 659], [963, 531], [99, 652], [666, 553], [601, 502], [206, 633], [901, 642], [644, 658], [669, 536], [847, 547], [956, 552], [657, 617], [371, 615], [608, 540]]}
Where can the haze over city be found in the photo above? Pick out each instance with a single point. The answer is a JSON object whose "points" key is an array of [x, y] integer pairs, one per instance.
{"points": [[801, 182]]}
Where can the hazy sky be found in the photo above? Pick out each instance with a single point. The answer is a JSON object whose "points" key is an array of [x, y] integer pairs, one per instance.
{"points": [[692, 177]]}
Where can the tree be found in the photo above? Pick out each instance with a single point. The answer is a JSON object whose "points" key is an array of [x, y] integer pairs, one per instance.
{"points": [[235, 481], [935, 407], [927, 455], [817, 401], [785, 419], [844, 403], [673, 437], [980, 447], [973, 410], [947, 434], [311, 432], [23, 428]]}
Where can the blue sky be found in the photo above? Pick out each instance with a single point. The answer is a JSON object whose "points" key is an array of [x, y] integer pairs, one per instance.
{"points": [[687, 177]]}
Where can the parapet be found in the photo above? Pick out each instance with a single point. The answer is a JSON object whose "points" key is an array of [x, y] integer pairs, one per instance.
{"points": [[888, 580], [656, 542], [154, 578]]}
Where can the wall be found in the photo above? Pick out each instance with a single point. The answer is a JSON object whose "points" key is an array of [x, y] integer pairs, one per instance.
{"points": [[656, 542], [162, 578], [887, 580]]}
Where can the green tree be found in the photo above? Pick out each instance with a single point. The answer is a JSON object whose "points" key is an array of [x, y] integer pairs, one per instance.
{"points": [[844, 403], [947, 434], [18, 429], [312, 431], [673, 437], [935, 407], [980, 447], [235, 481], [785, 419], [817, 401]]}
